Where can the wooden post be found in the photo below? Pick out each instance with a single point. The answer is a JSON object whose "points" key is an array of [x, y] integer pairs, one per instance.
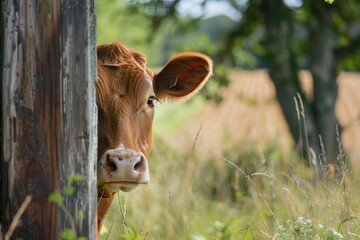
{"points": [[48, 118]]}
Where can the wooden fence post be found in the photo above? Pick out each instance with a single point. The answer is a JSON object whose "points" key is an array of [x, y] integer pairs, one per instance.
{"points": [[48, 118]]}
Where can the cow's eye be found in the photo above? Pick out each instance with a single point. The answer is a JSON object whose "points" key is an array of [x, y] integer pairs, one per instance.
{"points": [[151, 101]]}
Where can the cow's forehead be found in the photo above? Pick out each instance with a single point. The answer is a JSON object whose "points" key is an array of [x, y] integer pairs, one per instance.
{"points": [[148, 78], [135, 81], [123, 72]]}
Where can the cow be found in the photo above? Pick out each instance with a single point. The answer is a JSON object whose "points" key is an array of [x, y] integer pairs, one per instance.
{"points": [[126, 94]]}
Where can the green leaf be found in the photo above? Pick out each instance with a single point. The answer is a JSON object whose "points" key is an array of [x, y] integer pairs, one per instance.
{"points": [[55, 197], [75, 178], [80, 215], [82, 238], [104, 230], [68, 234], [69, 190]]}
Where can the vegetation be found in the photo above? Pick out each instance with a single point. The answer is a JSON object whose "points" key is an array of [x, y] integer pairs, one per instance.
{"points": [[58, 198], [283, 37], [244, 193], [240, 195]]}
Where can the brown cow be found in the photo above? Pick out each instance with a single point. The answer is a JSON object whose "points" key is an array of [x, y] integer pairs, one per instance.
{"points": [[126, 91]]}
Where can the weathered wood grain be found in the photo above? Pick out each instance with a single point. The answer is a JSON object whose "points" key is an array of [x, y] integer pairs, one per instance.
{"points": [[48, 115]]}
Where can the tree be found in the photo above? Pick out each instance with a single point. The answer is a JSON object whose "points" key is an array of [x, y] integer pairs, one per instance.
{"points": [[320, 44], [315, 35]]}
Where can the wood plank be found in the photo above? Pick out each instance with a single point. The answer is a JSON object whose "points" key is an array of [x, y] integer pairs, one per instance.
{"points": [[49, 116]]}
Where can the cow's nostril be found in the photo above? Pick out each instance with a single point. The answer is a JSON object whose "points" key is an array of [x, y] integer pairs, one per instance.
{"points": [[140, 166], [109, 165], [136, 167], [120, 159]]}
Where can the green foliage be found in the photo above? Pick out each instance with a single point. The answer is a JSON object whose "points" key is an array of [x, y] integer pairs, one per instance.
{"points": [[246, 194], [69, 190], [68, 234], [55, 197], [305, 229], [280, 36], [79, 215], [329, 1], [58, 198], [133, 235], [75, 178], [115, 22]]}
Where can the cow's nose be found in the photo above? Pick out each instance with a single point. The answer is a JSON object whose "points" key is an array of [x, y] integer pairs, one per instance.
{"points": [[131, 164], [124, 165]]}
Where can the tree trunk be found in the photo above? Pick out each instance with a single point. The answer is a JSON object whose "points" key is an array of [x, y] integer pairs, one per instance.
{"points": [[283, 70], [319, 118], [323, 69], [48, 118]]}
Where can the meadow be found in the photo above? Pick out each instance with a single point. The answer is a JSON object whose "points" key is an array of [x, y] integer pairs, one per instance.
{"points": [[229, 170], [243, 195], [240, 191]]}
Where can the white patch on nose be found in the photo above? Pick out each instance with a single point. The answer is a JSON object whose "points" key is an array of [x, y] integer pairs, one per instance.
{"points": [[121, 146]]}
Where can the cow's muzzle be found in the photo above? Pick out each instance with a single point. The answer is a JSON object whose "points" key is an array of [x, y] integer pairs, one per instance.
{"points": [[122, 169]]}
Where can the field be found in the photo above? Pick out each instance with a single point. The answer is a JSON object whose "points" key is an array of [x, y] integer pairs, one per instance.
{"points": [[228, 172]]}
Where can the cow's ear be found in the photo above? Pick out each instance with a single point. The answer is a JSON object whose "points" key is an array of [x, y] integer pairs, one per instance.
{"points": [[183, 76]]}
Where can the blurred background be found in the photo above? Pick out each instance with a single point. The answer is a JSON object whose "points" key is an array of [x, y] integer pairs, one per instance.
{"points": [[270, 148]]}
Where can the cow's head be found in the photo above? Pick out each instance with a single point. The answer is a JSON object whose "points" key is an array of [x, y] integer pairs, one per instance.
{"points": [[126, 91]]}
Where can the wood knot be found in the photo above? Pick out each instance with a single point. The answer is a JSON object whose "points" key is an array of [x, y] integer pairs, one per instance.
{"points": [[37, 184]]}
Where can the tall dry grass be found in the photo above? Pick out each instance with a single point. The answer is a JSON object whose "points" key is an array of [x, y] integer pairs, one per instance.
{"points": [[242, 194]]}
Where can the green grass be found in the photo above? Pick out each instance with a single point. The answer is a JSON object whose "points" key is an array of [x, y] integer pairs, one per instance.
{"points": [[171, 114], [240, 195]]}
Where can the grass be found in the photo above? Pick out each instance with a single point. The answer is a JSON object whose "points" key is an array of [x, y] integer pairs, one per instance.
{"points": [[170, 114], [242, 194]]}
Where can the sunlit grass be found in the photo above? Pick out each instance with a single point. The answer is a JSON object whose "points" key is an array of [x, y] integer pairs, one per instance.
{"points": [[168, 115], [243, 194]]}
